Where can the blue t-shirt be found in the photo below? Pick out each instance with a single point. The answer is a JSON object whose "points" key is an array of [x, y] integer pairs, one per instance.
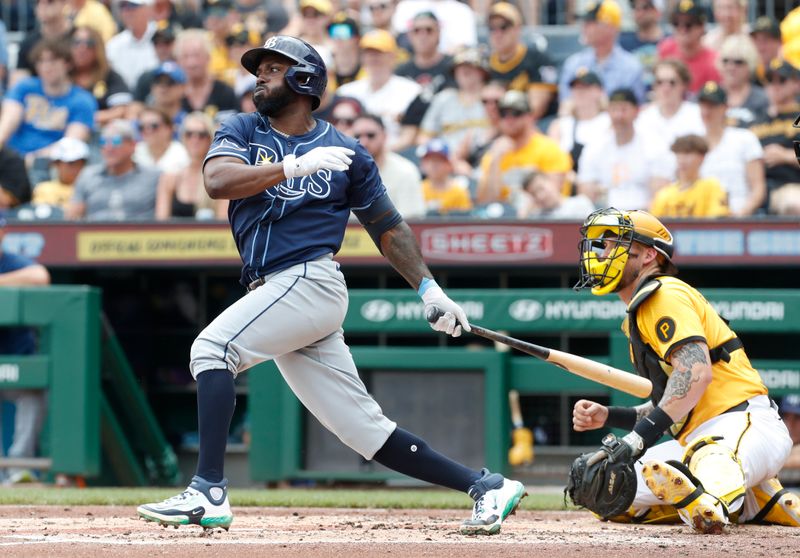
{"points": [[18, 340], [299, 219], [45, 118]]}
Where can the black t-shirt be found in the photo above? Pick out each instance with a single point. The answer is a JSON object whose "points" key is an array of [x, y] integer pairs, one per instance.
{"points": [[779, 130], [221, 102], [528, 68], [112, 91], [435, 78]]}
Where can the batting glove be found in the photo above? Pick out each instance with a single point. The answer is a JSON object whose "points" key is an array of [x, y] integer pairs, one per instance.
{"points": [[452, 319], [331, 158]]}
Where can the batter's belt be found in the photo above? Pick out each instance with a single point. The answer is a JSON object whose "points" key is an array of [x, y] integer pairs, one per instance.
{"points": [[253, 285]]}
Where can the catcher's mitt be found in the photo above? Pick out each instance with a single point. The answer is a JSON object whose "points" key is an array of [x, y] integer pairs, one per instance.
{"points": [[604, 481]]}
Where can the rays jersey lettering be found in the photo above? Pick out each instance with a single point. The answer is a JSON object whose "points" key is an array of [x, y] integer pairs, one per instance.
{"points": [[301, 218]]}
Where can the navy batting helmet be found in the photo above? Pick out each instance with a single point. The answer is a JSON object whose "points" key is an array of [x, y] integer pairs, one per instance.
{"points": [[308, 75]]}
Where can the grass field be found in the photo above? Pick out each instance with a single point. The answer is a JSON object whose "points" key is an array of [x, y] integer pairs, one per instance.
{"points": [[296, 497]]}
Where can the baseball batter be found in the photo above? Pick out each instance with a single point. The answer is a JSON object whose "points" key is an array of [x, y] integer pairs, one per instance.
{"points": [[729, 441], [293, 181]]}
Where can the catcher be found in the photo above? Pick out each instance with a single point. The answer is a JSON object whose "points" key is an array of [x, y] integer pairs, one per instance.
{"points": [[729, 441]]}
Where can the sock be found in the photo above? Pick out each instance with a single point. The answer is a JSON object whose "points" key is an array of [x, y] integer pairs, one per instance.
{"points": [[408, 454], [216, 400]]}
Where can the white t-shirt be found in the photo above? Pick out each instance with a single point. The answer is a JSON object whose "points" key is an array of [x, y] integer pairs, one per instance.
{"points": [[174, 159], [403, 184], [586, 130], [131, 57], [727, 162], [684, 122], [625, 171]]}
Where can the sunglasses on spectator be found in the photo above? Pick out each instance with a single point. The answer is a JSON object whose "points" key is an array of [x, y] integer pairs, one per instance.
{"points": [[502, 27], [113, 141], [368, 135], [490, 101], [684, 25], [83, 42], [312, 14], [513, 113], [672, 82], [734, 61], [773, 79], [149, 126], [345, 121], [376, 7], [424, 29], [203, 134]]}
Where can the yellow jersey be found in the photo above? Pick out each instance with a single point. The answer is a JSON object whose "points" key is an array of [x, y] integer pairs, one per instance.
{"points": [[704, 198], [453, 198]]}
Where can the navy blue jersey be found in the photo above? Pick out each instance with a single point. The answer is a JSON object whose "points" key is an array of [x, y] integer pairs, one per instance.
{"points": [[17, 340], [299, 219]]}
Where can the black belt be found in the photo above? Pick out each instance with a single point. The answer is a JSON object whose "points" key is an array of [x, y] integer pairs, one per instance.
{"points": [[744, 404]]}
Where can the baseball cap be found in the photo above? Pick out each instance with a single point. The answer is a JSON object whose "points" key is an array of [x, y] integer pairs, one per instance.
{"points": [[789, 404], [768, 25], [507, 11], [378, 39], [604, 11], [435, 147], [472, 57], [782, 68], [164, 32], [712, 93], [172, 70], [689, 8], [343, 27], [585, 76], [322, 6], [69, 150], [514, 100], [623, 95]]}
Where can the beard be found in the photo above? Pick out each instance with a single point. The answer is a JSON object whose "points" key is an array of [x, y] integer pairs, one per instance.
{"points": [[272, 104]]}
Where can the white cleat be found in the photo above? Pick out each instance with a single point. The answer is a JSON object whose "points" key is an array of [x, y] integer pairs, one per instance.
{"points": [[499, 499], [202, 503]]}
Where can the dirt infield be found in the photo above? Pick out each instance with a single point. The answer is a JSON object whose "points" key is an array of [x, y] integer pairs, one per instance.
{"points": [[92, 531]]}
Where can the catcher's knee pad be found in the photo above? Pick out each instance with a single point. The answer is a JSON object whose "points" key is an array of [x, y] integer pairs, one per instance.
{"points": [[720, 471], [776, 505]]}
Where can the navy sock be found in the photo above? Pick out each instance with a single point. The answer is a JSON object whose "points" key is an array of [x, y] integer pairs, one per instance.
{"points": [[408, 454], [216, 400]]}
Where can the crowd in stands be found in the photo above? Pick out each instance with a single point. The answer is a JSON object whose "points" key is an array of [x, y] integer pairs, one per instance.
{"points": [[676, 106]]}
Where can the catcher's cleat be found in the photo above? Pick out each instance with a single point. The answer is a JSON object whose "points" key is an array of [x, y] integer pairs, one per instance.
{"points": [[495, 499], [202, 503], [672, 483], [776, 504]]}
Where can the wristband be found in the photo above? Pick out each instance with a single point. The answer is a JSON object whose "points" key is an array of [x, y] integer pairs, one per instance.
{"points": [[621, 417], [289, 166], [653, 426], [425, 284]]}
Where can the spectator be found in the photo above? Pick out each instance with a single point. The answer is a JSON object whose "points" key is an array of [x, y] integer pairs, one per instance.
{"points": [[428, 66], [616, 67], [520, 150], [731, 17], [738, 63], [311, 25], [90, 70], [459, 28], [219, 19], [767, 39], [31, 406], [382, 92], [182, 193], [518, 65], [690, 195], [625, 167], [790, 412], [184, 15], [587, 118], [735, 156], [345, 35], [457, 116], [344, 112], [52, 24], [380, 15], [443, 192], [158, 147], [238, 42], [116, 189], [39, 111], [467, 156], [202, 91], [686, 44], [670, 115], [542, 197], [15, 187], [131, 51], [400, 176], [643, 41], [94, 14], [262, 17], [69, 157], [774, 130], [163, 42], [169, 83]]}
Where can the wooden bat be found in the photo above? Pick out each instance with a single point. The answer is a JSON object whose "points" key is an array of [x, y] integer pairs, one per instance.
{"points": [[580, 366]]}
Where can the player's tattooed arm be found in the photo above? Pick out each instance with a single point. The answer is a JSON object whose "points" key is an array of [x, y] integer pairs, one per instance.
{"points": [[691, 374], [399, 246], [643, 410]]}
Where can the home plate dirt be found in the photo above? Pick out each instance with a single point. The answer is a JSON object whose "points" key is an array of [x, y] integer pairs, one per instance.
{"points": [[91, 531]]}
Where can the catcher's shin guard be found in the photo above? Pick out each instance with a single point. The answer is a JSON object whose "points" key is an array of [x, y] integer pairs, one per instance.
{"points": [[776, 505], [674, 484], [718, 469]]}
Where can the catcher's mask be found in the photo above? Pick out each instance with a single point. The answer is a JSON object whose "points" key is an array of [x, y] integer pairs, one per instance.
{"points": [[606, 238]]}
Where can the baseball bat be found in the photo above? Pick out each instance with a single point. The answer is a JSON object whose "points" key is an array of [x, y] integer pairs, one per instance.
{"points": [[580, 366]]}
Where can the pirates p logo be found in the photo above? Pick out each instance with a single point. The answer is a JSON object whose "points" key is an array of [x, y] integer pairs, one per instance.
{"points": [[665, 329]]}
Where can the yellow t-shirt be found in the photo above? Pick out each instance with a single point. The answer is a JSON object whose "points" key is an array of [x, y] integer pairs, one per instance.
{"points": [[540, 154], [53, 193], [454, 198], [96, 15], [677, 313], [704, 198]]}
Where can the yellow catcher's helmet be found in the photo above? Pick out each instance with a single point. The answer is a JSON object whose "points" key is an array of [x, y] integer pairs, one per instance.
{"points": [[601, 268]]}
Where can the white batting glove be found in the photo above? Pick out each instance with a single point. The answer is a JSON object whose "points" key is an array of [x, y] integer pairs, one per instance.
{"points": [[331, 158], [452, 319]]}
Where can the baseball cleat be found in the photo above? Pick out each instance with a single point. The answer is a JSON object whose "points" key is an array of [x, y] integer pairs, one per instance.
{"points": [[495, 499], [673, 484], [776, 504], [202, 503]]}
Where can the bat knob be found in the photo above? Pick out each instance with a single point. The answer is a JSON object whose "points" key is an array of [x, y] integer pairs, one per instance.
{"points": [[432, 314]]}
